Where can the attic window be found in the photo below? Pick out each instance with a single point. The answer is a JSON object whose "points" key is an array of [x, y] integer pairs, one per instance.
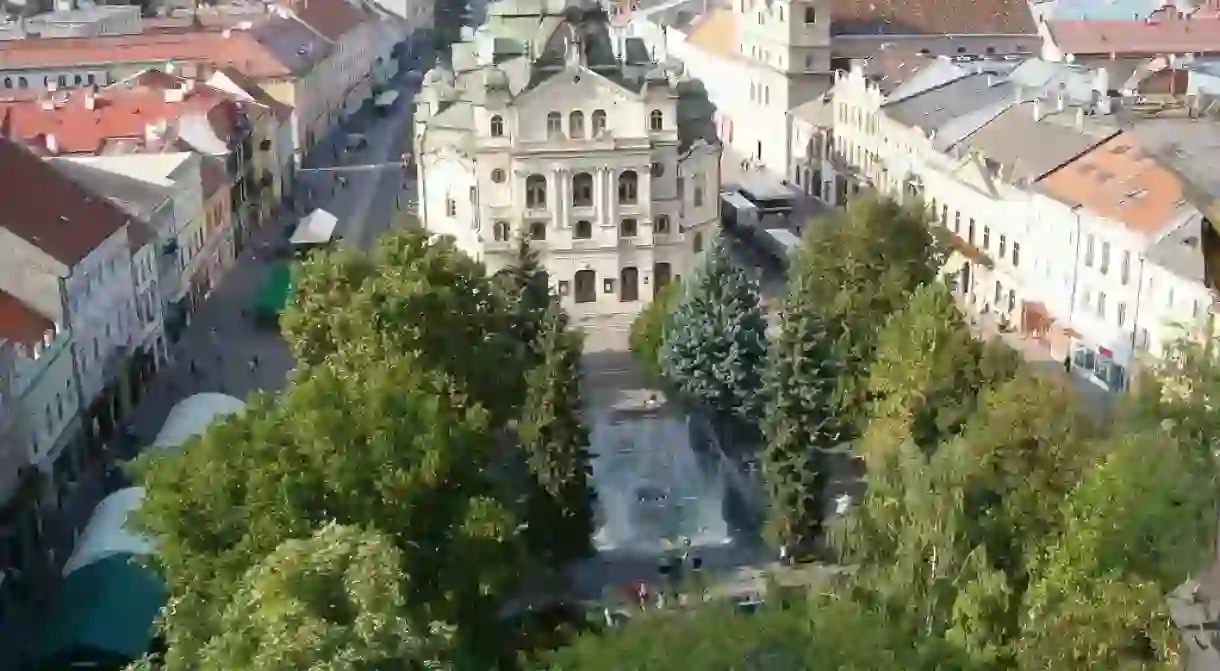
{"points": [[1138, 194], [1120, 149], [63, 219], [1086, 169], [1192, 241], [1104, 176]]}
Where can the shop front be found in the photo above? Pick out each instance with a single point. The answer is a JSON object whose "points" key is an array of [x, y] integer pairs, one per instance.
{"points": [[1099, 365]]}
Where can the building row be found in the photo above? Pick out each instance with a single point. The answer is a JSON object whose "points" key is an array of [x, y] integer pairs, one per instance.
{"points": [[323, 59], [121, 209], [1080, 215]]}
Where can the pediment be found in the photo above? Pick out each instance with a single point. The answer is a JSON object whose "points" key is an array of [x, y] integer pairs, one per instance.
{"points": [[574, 83]]}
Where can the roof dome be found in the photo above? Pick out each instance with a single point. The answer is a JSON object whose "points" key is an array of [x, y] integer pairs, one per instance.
{"points": [[496, 80], [438, 75]]}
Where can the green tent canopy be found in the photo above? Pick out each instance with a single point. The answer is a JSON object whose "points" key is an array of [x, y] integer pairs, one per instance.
{"points": [[103, 616], [277, 288]]}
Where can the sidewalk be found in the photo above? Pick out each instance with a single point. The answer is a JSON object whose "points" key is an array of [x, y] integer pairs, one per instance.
{"points": [[1038, 355]]}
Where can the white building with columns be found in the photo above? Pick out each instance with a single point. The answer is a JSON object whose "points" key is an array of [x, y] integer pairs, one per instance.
{"points": [[548, 129]]}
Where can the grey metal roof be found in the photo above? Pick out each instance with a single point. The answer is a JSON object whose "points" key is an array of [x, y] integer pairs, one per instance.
{"points": [[137, 198], [1074, 81], [1029, 148], [1189, 146], [937, 73], [292, 43], [1093, 10], [936, 107], [1180, 251]]}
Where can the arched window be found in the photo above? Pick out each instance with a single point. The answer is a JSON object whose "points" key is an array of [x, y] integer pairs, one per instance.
{"points": [[661, 225], [698, 242], [500, 231], [77, 80], [554, 124], [583, 230], [23, 83], [8, 82], [582, 190], [656, 120], [535, 191], [90, 79], [599, 122], [497, 126], [537, 231], [576, 124], [628, 187]]}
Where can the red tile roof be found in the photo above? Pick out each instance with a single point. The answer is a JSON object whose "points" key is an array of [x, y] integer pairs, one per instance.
{"points": [[332, 18], [239, 50], [125, 110], [50, 211], [931, 17], [1162, 33], [212, 175], [19, 322]]}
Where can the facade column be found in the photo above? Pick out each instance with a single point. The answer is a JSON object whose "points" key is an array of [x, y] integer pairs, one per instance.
{"points": [[555, 196], [612, 197], [599, 195]]}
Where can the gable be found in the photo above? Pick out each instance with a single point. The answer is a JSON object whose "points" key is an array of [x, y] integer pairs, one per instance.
{"points": [[975, 175], [573, 87]]}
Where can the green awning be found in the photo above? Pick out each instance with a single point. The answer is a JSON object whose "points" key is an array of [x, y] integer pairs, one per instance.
{"points": [[277, 289], [103, 614]]}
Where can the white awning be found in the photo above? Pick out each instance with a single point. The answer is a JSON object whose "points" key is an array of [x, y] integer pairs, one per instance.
{"points": [[108, 534], [386, 99], [192, 416], [315, 229]]}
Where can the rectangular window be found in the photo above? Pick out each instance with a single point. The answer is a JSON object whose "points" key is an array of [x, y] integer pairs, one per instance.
{"points": [[1003, 245], [1101, 304], [1105, 258], [1016, 254], [1125, 269], [986, 238], [1122, 314], [1088, 252]]}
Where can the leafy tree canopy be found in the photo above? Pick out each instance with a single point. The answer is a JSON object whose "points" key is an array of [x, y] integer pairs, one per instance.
{"points": [[331, 602], [376, 443]]}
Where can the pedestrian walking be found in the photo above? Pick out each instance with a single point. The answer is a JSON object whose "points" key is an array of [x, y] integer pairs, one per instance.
{"points": [[253, 364], [194, 367], [1067, 364]]}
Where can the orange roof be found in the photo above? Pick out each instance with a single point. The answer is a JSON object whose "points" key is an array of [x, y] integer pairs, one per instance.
{"points": [[48, 210], [122, 111], [239, 50], [19, 322], [1121, 181], [716, 32], [1164, 32], [332, 18], [212, 175]]}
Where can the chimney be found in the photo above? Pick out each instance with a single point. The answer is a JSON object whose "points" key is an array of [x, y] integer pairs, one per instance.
{"points": [[52, 144], [1059, 102], [990, 80], [188, 85], [175, 95], [48, 338], [90, 100], [1037, 110], [46, 104], [1080, 118]]}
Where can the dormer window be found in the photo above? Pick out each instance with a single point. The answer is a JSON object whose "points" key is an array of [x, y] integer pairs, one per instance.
{"points": [[656, 120], [497, 126]]}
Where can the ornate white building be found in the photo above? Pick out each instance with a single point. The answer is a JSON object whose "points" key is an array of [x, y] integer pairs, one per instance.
{"points": [[549, 127]]}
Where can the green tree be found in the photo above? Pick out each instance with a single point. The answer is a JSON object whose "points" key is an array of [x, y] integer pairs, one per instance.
{"points": [[364, 440], [924, 376], [413, 293], [860, 266], [801, 421], [333, 601], [528, 299], [648, 330], [556, 445], [715, 347], [1137, 526]]}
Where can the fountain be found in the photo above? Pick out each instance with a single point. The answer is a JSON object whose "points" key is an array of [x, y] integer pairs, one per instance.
{"points": [[654, 491]]}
